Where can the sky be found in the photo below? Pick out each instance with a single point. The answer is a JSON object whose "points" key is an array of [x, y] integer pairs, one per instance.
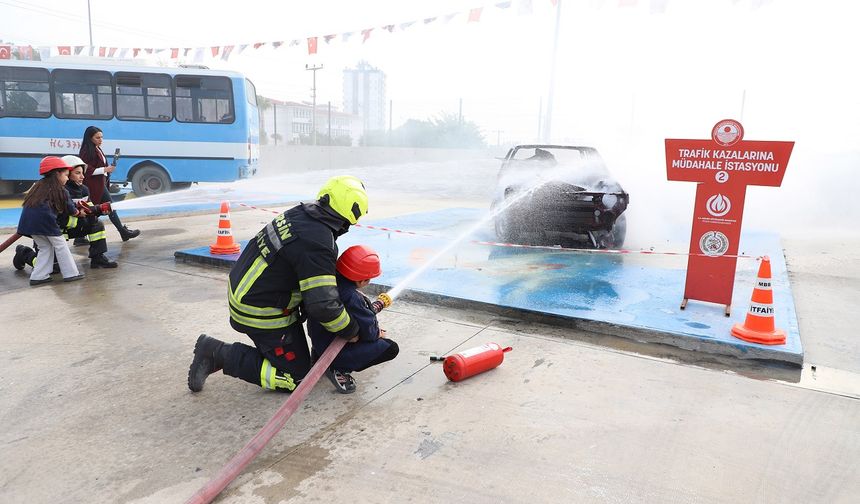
{"points": [[626, 70]]}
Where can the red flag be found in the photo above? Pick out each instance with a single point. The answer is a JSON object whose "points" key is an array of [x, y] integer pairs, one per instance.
{"points": [[136, 50], [365, 34], [64, 50], [174, 52], [312, 45], [475, 15], [102, 52], [258, 45], [5, 52], [215, 51]]}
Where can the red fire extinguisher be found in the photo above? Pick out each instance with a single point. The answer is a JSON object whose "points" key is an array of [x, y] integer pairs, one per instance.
{"points": [[474, 361]]}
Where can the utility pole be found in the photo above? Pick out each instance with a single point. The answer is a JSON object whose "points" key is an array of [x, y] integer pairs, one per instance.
{"points": [[275, 120], [314, 69], [90, 23], [461, 111], [547, 125]]}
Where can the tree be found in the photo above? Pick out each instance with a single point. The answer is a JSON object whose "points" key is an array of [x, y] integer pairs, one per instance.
{"points": [[263, 104], [446, 131]]}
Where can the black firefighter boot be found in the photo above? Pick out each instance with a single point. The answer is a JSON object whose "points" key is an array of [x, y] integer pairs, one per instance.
{"points": [[23, 255], [124, 232], [209, 355]]}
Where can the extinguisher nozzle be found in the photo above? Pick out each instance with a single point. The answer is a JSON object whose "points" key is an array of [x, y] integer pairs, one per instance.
{"points": [[437, 358]]}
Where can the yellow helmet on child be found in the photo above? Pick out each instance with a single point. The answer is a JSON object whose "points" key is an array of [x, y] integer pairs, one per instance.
{"points": [[345, 195]]}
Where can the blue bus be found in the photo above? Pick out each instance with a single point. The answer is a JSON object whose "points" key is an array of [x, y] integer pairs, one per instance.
{"points": [[173, 126]]}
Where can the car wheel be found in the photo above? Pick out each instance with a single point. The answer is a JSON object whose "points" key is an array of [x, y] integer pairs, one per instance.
{"points": [[149, 180], [615, 237]]}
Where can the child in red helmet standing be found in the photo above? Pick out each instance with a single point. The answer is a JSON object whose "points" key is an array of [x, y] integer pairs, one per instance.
{"points": [[46, 205], [355, 268]]}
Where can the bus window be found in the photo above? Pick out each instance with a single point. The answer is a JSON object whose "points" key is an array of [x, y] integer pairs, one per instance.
{"points": [[143, 97], [82, 94], [204, 99], [25, 92], [251, 92]]}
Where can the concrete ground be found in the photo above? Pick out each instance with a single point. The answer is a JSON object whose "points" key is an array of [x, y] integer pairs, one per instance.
{"points": [[94, 405]]}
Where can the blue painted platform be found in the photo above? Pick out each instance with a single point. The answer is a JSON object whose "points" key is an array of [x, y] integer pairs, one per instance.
{"points": [[629, 295]]}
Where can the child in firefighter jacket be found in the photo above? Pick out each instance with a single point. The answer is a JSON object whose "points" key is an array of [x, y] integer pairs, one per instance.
{"points": [[90, 226], [355, 268], [45, 207]]}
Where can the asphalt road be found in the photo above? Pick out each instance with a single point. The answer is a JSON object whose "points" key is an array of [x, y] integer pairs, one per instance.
{"points": [[94, 406]]}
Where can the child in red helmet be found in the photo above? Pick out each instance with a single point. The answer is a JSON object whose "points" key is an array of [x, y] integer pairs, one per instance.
{"points": [[46, 205], [355, 268]]}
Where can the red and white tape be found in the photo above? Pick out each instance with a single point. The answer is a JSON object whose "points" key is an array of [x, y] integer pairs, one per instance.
{"points": [[554, 248]]}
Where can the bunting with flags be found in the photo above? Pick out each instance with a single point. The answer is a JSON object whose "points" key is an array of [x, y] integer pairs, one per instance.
{"points": [[225, 52]]}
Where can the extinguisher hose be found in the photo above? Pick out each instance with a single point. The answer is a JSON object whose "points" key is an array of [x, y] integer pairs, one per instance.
{"points": [[235, 466], [9, 241]]}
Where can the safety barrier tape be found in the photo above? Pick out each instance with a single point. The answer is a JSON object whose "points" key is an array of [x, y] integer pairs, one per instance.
{"points": [[555, 248]]}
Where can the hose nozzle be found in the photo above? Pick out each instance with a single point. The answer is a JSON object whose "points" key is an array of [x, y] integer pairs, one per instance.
{"points": [[382, 301]]}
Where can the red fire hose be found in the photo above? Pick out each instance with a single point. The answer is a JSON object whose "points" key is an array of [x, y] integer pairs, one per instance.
{"points": [[235, 466], [9, 241]]}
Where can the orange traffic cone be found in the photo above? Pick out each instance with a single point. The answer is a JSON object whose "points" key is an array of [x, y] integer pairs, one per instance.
{"points": [[224, 244], [758, 326]]}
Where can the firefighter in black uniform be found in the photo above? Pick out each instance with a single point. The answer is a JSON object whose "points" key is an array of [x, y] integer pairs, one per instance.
{"points": [[289, 265]]}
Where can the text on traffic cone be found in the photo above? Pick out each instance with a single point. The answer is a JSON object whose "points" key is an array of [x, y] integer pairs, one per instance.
{"points": [[224, 243]]}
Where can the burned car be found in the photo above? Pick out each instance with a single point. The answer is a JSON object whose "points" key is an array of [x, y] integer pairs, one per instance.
{"points": [[558, 195]]}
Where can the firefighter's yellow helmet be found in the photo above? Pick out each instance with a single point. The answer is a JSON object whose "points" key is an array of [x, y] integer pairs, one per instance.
{"points": [[345, 195]]}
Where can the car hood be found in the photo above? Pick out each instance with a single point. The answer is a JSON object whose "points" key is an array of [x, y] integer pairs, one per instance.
{"points": [[589, 177]]}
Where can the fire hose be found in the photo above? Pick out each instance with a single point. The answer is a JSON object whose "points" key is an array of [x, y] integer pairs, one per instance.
{"points": [[9, 241], [241, 460]]}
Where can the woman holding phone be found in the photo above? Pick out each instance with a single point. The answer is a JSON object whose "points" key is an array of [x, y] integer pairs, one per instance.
{"points": [[97, 176]]}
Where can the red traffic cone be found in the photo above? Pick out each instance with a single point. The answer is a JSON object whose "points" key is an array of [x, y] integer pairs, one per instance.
{"points": [[759, 326], [224, 244]]}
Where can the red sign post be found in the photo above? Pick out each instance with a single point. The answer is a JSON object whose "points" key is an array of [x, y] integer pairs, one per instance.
{"points": [[723, 167]]}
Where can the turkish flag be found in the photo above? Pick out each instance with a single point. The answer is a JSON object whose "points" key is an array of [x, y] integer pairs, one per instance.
{"points": [[64, 50], [312, 45], [215, 50], [174, 52], [475, 15], [365, 34], [102, 52], [5, 52], [136, 51]]}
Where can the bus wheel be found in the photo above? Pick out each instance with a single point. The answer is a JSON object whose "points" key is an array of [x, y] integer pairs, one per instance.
{"points": [[150, 180]]}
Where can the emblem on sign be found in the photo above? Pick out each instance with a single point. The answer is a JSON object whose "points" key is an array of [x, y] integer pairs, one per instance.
{"points": [[727, 132], [718, 205], [713, 244]]}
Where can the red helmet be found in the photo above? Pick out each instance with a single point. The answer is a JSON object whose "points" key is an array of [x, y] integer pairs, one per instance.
{"points": [[358, 263], [51, 163]]}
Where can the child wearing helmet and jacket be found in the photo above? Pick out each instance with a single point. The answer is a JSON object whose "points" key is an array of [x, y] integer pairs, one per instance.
{"points": [[87, 225], [356, 267], [46, 205]]}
